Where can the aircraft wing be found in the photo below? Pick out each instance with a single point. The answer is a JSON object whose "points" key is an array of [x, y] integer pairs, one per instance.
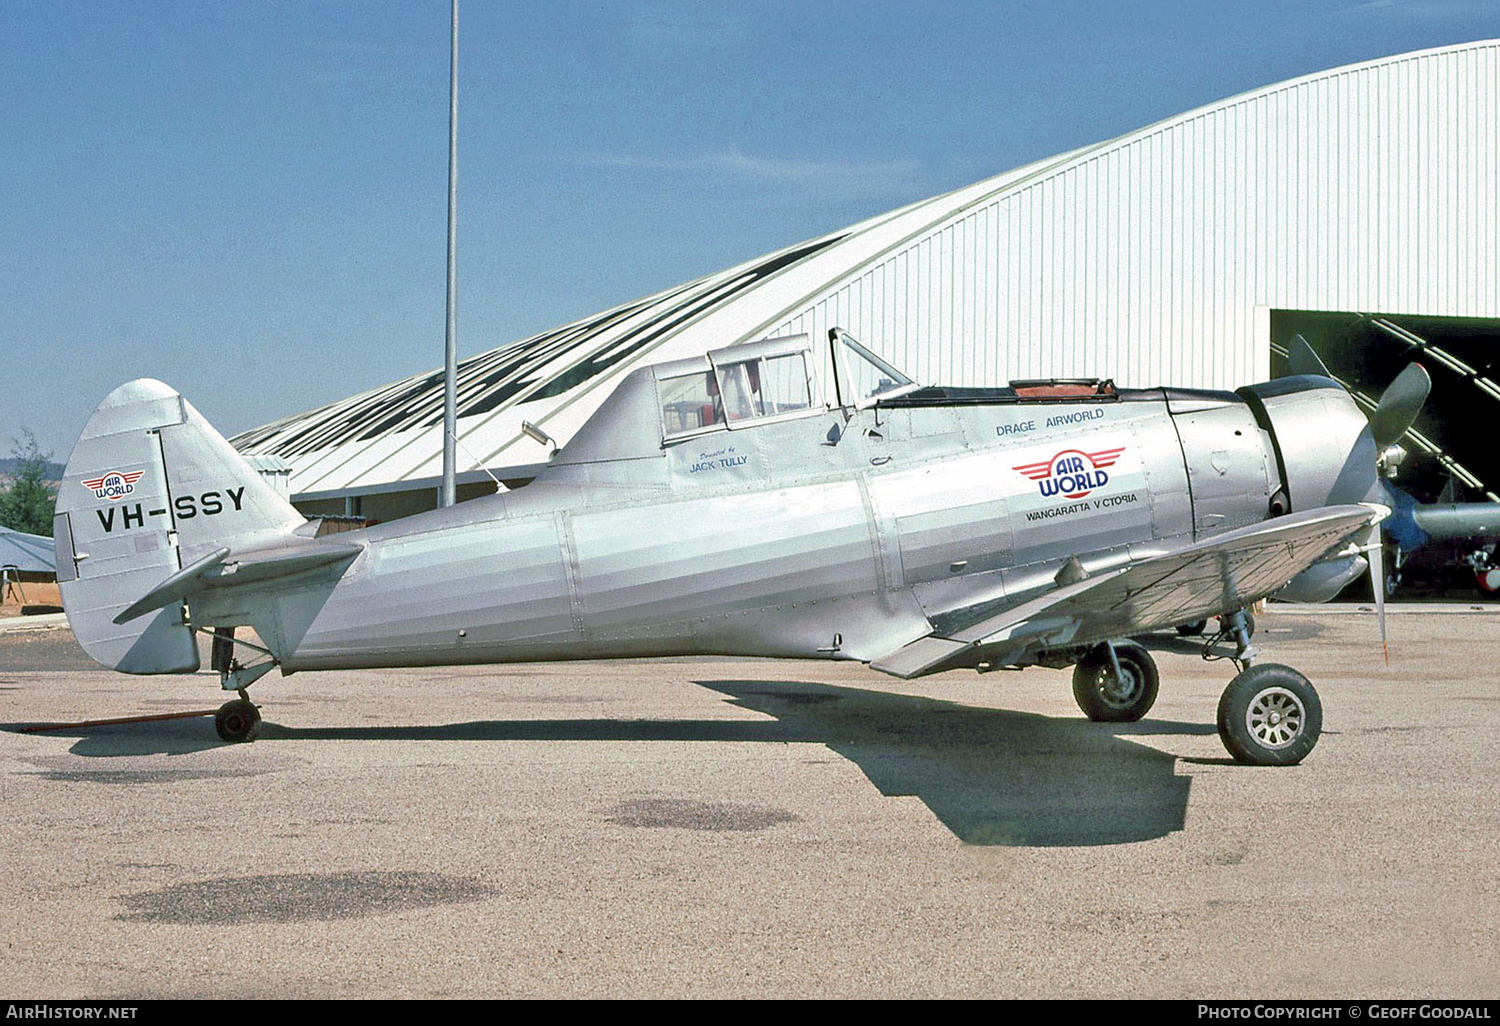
{"points": [[1163, 589]]}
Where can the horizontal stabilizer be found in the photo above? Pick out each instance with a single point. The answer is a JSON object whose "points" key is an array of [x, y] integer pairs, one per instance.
{"points": [[219, 569], [174, 587]]}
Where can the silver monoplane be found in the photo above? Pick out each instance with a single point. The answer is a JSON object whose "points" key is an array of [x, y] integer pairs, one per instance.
{"points": [[717, 505]]}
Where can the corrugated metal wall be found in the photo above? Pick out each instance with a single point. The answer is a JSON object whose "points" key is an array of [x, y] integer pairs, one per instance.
{"points": [[1152, 259], [1368, 188]]}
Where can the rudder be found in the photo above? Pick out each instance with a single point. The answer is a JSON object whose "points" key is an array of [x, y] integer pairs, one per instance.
{"points": [[149, 488]]}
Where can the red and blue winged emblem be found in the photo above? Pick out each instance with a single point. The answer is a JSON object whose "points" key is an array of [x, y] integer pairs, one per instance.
{"points": [[1072, 473], [114, 485]]}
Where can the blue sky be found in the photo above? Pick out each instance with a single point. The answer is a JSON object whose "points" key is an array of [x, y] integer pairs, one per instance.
{"points": [[248, 200]]}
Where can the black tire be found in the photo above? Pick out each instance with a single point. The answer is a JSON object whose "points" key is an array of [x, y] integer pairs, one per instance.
{"points": [[1270, 715], [237, 721], [1102, 698], [1192, 630]]}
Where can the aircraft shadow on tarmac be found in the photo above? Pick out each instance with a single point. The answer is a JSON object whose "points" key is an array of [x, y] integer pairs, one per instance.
{"points": [[992, 776]]}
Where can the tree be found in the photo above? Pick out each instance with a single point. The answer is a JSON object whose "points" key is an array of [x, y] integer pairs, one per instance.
{"points": [[28, 503]]}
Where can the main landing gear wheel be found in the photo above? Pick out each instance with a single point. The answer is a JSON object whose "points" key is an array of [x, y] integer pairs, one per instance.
{"points": [[1270, 715], [237, 721], [1192, 630], [1107, 699]]}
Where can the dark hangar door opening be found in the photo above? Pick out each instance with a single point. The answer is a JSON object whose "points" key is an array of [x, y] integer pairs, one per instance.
{"points": [[1454, 438]]}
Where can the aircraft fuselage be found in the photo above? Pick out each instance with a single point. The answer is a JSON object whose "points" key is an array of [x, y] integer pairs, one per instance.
{"points": [[807, 537]]}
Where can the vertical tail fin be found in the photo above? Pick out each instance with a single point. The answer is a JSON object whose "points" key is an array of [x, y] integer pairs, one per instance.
{"points": [[149, 488]]}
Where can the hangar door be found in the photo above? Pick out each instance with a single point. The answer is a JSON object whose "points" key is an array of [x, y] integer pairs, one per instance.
{"points": [[1453, 455]]}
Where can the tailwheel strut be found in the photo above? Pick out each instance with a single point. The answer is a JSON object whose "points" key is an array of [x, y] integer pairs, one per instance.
{"points": [[239, 719]]}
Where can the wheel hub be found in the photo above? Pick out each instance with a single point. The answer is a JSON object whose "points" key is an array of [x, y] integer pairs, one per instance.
{"points": [[1121, 690], [1275, 717]]}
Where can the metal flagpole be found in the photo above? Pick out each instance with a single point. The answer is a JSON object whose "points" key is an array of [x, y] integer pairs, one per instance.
{"points": [[450, 369]]}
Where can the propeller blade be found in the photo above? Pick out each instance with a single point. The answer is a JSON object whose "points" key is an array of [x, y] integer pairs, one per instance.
{"points": [[1375, 553], [1400, 405], [1303, 360]]}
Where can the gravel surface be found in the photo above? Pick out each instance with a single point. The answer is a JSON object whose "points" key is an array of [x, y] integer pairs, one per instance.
{"points": [[709, 827]]}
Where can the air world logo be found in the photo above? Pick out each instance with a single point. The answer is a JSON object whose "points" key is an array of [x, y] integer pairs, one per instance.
{"points": [[114, 485], [1072, 473]]}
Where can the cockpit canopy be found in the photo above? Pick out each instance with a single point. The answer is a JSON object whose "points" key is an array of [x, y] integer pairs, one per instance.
{"points": [[761, 381], [737, 386], [731, 387]]}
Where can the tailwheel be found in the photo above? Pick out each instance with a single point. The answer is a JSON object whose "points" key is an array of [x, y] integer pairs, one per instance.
{"points": [[237, 721], [1270, 715], [1121, 689]]}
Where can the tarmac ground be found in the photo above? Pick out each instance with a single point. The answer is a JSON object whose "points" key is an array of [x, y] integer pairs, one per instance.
{"points": [[719, 828]]}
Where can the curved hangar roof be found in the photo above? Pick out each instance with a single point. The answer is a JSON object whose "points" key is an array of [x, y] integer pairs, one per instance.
{"points": [[1369, 187]]}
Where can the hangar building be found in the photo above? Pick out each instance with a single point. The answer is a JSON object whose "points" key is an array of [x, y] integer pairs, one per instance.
{"points": [[1358, 206]]}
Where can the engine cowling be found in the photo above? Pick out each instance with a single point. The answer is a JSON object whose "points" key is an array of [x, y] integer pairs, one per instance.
{"points": [[1327, 456]]}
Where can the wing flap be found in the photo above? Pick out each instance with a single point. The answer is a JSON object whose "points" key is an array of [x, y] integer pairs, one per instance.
{"points": [[918, 658]]}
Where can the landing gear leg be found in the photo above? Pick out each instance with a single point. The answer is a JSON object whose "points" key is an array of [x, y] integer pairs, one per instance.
{"points": [[1237, 627], [1269, 715]]}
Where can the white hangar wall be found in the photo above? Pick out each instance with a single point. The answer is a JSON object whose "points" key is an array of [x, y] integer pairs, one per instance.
{"points": [[1154, 258], [1149, 258]]}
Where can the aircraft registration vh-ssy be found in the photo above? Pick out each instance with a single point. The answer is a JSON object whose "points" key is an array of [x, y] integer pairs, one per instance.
{"points": [[716, 505]]}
